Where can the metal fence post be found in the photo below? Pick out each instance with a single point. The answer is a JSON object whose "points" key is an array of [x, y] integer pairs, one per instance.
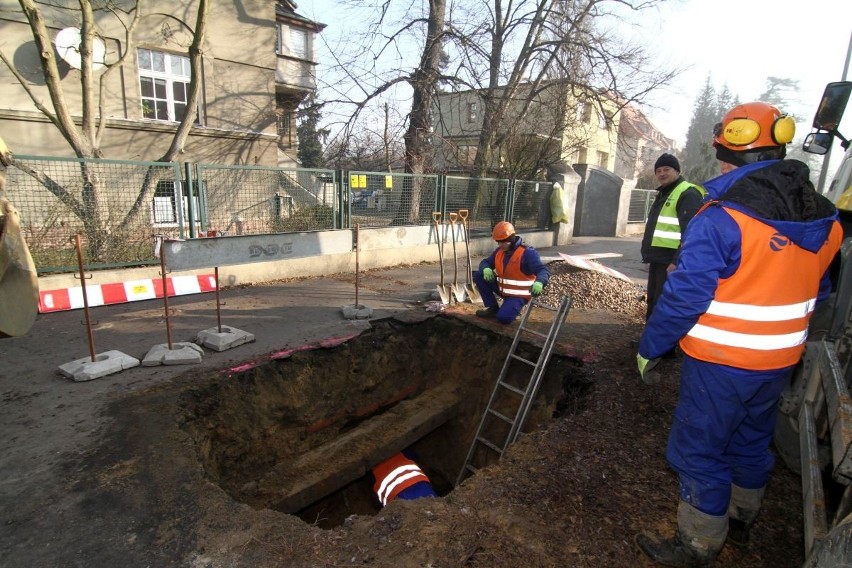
{"points": [[190, 206], [510, 200], [201, 189]]}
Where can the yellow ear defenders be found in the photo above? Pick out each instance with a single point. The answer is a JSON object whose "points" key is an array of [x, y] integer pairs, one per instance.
{"points": [[745, 131], [754, 125]]}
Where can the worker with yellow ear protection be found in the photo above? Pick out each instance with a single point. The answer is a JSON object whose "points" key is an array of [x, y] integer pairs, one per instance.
{"points": [[514, 272], [752, 265]]}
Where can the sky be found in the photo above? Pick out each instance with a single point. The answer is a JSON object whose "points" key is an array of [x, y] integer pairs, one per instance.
{"points": [[738, 43]]}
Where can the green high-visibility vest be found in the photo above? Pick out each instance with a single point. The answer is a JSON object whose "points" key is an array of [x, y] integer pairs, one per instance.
{"points": [[667, 228]]}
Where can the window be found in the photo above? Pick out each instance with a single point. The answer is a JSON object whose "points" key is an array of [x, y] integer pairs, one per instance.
{"points": [[584, 112], [299, 43], [603, 158], [602, 121], [581, 156], [471, 112], [293, 42], [164, 81], [285, 128], [466, 155]]}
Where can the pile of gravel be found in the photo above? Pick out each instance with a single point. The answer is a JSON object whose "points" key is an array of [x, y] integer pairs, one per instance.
{"points": [[591, 290]]}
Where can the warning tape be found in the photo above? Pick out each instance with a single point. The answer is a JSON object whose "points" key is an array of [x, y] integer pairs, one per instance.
{"points": [[120, 292], [581, 262]]}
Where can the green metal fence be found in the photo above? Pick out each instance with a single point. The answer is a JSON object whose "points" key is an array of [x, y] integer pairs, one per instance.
{"points": [[386, 199], [116, 206], [119, 207], [487, 200], [530, 204], [640, 203], [245, 200]]}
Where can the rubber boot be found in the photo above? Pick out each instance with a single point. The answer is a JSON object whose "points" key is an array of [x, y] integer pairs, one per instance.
{"points": [[742, 512], [697, 542]]}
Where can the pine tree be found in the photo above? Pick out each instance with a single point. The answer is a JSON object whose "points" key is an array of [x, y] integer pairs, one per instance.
{"points": [[781, 93], [311, 138], [699, 161]]}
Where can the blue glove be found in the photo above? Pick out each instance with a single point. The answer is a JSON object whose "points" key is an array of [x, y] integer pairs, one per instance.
{"points": [[646, 367], [536, 289], [488, 274]]}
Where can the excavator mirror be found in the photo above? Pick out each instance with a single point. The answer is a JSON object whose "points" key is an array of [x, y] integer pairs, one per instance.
{"points": [[831, 107], [818, 142]]}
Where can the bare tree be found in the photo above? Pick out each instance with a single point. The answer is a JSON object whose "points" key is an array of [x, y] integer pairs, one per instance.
{"points": [[507, 52], [85, 138]]}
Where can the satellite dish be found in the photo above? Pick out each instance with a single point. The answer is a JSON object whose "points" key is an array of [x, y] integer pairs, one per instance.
{"points": [[68, 46]]}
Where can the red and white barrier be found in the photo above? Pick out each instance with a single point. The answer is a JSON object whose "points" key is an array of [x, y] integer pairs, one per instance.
{"points": [[120, 292], [582, 261]]}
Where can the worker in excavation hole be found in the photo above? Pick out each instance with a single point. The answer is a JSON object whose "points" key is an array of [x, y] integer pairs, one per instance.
{"points": [[399, 477]]}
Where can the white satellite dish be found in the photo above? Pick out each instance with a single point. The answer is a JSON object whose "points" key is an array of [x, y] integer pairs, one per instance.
{"points": [[68, 46]]}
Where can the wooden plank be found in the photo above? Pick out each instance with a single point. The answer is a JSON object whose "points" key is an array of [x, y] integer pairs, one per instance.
{"points": [[295, 484]]}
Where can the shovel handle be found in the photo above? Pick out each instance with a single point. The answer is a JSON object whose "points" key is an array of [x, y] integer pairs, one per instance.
{"points": [[436, 216], [453, 217], [463, 214]]}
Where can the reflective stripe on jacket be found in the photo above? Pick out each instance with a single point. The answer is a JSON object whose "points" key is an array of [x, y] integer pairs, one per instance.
{"points": [[510, 278], [667, 233], [394, 475], [758, 318]]}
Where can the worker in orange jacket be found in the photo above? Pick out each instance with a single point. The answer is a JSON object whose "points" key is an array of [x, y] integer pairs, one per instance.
{"points": [[752, 266], [399, 477], [513, 272]]}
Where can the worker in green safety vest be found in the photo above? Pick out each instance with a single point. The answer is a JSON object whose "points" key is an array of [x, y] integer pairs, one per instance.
{"points": [[676, 204]]}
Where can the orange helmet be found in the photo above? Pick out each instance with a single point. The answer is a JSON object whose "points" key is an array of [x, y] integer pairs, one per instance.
{"points": [[502, 231], [754, 131]]}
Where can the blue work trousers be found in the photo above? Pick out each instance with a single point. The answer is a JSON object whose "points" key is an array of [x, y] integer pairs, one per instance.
{"points": [[490, 291], [722, 430]]}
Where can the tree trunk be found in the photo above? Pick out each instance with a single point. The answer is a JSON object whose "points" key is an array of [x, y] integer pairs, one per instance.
{"points": [[418, 135]]}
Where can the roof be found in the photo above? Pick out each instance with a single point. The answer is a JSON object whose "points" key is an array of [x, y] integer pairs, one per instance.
{"points": [[286, 10]]}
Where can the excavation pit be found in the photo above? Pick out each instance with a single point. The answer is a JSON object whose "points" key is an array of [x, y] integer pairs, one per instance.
{"points": [[299, 434]]}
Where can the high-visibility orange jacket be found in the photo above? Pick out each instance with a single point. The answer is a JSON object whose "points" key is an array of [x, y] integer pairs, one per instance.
{"points": [[394, 475], [510, 277], [756, 319], [751, 268]]}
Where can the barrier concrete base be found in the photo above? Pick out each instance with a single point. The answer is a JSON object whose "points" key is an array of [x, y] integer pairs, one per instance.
{"points": [[180, 354], [359, 311], [105, 363], [228, 338]]}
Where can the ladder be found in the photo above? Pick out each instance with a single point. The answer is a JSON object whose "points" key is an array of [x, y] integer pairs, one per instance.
{"points": [[509, 404]]}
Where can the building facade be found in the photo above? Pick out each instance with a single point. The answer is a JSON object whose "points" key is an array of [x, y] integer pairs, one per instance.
{"points": [[141, 71], [560, 122]]}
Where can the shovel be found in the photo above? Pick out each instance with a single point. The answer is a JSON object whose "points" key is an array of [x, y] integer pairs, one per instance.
{"points": [[458, 289], [470, 288], [443, 291]]}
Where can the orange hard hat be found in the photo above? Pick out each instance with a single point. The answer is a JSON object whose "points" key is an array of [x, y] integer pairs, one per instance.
{"points": [[754, 125], [502, 231]]}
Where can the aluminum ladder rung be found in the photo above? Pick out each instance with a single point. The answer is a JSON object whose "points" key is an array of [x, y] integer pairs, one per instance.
{"points": [[536, 333], [527, 394], [507, 386], [522, 360], [491, 445], [502, 417]]}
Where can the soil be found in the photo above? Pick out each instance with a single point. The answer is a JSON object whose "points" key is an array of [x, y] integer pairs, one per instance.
{"points": [[161, 467]]}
